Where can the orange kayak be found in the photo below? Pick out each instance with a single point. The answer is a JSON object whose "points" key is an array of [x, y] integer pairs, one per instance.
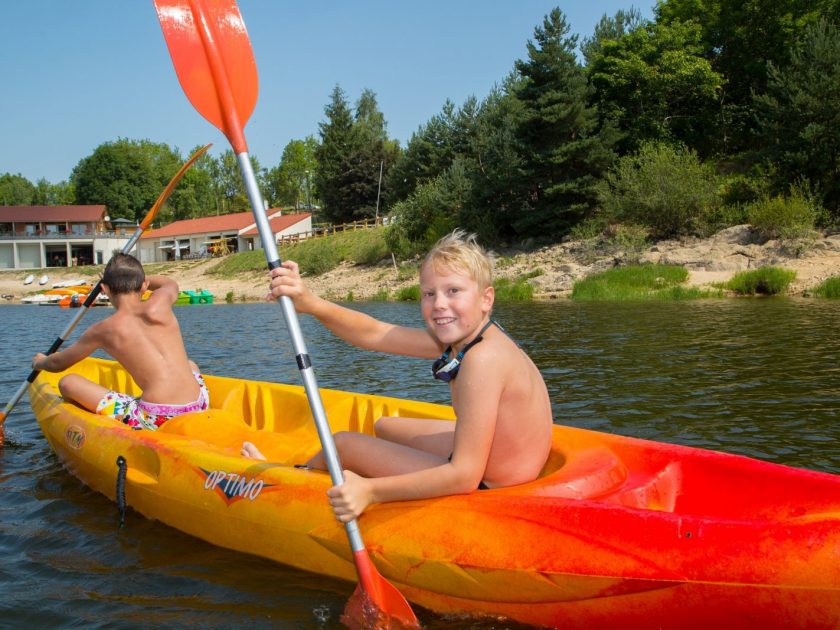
{"points": [[616, 533]]}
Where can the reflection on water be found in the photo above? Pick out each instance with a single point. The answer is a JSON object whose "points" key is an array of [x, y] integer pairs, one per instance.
{"points": [[757, 377]]}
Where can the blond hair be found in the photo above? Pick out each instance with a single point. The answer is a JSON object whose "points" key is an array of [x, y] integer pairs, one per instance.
{"points": [[459, 251]]}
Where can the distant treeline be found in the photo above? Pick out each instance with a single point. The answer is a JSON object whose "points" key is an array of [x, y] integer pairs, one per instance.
{"points": [[711, 113]]}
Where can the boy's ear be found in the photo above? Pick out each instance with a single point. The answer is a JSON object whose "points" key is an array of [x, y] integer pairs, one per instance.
{"points": [[105, 289], [145, 286], [488, 296]]}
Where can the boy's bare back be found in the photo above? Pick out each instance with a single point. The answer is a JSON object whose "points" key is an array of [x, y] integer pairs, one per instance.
{"points": [[145, 338]]}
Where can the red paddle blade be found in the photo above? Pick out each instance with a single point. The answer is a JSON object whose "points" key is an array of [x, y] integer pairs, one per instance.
{"points": [[376, 603], [212, 54]]}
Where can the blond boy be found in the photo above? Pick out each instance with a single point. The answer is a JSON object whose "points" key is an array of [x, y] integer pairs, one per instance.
{"points": [[145, 338], [502, 435]]}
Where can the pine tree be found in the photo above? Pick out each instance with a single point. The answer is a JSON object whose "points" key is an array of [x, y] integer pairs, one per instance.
{"points": [[333, 155], [565, 149]]}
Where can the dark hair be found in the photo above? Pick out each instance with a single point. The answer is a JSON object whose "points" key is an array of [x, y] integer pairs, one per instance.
{"points": [[123, 274]]}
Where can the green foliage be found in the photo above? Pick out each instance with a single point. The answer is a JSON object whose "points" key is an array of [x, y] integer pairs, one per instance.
{"points": [[654, 81], [784, 217], [762, 281], [290, 183], [16, 190], [352, 154], [229, 297], [566, 147], [828, 288], [664, 188], [799, 117], [636, 282], [740, 38], [518, 291], [408, 294], [429, 213], [380, 296]]}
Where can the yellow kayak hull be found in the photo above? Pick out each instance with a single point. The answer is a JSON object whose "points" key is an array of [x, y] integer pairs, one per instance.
{"points": [[617, 532]]}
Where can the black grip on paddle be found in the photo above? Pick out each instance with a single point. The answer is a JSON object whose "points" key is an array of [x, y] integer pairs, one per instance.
{"points": [[303, 361], [273, 264]]}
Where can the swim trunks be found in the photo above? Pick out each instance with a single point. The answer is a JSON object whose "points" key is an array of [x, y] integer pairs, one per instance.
{"points": [[139, 414]]}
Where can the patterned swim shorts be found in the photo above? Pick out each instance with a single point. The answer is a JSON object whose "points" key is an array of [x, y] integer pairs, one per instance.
{"points": [[139, 414]]}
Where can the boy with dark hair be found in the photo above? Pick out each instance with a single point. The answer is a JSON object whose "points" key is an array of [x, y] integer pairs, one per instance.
{"points": [[145, 338]]}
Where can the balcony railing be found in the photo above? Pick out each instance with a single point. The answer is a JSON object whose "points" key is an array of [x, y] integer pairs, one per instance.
{"points": [[35, 236]]}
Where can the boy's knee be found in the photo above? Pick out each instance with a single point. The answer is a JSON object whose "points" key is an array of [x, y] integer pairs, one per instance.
{"points": [[382, 427], [66, 383]]}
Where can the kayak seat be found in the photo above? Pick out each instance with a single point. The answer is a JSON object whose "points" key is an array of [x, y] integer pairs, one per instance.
{"points": [[227, 431], [586, 473], [658, 491]]}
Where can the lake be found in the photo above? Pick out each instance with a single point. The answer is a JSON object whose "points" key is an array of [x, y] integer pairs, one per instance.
{"points": [[759, 377]]}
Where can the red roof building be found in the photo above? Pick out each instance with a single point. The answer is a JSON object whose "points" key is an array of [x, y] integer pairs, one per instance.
{"points": [[216, 235], [38, 237]]}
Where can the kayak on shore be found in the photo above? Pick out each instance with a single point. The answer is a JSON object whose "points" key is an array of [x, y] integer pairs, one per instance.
{"points": [[616, 532]]}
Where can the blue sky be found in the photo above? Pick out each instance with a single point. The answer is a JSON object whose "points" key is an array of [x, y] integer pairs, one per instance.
{"points": [[78, 73]]}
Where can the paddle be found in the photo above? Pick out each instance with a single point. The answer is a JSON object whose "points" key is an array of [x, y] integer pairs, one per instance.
{"points": [[94, 293], [212, 54]]}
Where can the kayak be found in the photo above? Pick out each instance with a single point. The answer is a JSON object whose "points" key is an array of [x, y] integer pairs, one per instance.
{"points": [[616, 531]]}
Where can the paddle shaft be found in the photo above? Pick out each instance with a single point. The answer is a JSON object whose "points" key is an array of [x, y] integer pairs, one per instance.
{"points": [[234, 130], [304, 362]]}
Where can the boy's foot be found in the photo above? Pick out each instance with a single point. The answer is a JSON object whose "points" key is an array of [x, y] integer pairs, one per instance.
{"points": [[250, 451]]}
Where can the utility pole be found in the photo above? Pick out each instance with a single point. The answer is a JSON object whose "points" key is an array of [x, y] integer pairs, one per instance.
{"points": [[378, 190]]}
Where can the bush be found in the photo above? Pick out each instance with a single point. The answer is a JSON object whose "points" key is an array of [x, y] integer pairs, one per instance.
{"points": [[409, 294], [784, 217], [662, 187], [828, 288], [507, 291], [763, 281], [635, 282]]}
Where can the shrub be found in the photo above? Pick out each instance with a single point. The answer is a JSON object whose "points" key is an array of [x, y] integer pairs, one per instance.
{"points": [[409, 294], [635, 282], [784, 217], [828, 288], [662, 187], [507, 291], [762, 281], [229, 297]]}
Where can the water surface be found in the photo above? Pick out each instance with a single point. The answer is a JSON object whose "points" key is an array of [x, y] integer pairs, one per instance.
{"points": [[755, 377]]}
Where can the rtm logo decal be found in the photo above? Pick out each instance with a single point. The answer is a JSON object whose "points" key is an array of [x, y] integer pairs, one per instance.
{"points": [[232, 486], [75, 437]]}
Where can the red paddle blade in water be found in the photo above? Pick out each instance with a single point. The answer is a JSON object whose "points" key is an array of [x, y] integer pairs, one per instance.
{"points": [[214, 62]]}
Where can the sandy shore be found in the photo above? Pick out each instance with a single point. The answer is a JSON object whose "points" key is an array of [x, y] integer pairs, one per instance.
{"points": [[715, 259]]}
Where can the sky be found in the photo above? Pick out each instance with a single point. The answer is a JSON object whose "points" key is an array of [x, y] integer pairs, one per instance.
{"points": [[78, 73]]}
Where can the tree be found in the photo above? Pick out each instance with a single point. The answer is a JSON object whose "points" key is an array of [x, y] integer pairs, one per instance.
{"points": [[290, 183], [565, 149], [334, 156], [799, 116], [654, 83], [432, 149], [16, 190], [121, 175], [741, 38], [47, 194], [352, 151], [610, 29]]}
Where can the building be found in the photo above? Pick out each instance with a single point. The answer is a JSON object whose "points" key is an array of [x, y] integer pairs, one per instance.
{"points": [[227, 233], [36, 237]]}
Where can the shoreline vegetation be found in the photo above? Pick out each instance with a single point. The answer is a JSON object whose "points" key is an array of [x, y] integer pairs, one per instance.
{"points": [[357, 266]]}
